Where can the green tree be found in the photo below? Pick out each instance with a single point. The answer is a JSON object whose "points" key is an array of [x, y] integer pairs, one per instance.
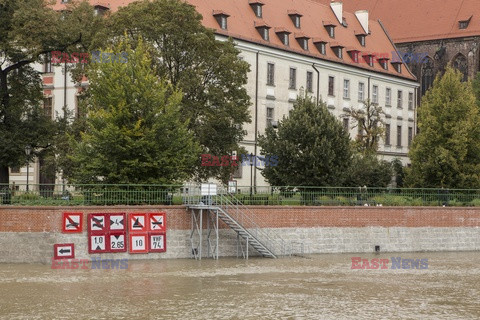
{"points": [[134, 131], [368, 170], [29, 30], [446, 152], [370, 125], [210, 73], [312, 147]]}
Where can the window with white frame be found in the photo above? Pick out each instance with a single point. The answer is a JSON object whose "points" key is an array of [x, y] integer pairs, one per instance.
{"points": [[388, 97], [375, 94], [361, 91], [346, 89], [292, 83]]}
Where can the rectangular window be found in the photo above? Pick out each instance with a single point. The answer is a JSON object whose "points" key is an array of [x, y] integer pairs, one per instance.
{"points": [[388, 97], [410, 101], [346, 89], [399, 136], [265, 34], [237, 172], [361, 91], [387, 134], [410, 136], [48, 107], [375, 94], [331, 88], [47, 63], [399, 99], [258, 10], [270, 74], [269, 116], [309, 81], [223, 22], [346, 124], [292, 83], [15, 169]]}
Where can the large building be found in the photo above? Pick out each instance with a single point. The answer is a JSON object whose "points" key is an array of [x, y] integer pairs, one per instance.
{"points": [[430, 34], [295, 46]]}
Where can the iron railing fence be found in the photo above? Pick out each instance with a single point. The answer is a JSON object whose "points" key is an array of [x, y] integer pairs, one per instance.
{"points": [[128, 194]]}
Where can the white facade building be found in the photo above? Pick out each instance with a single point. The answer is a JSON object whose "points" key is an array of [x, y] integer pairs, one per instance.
{"points": [[292, 47]]}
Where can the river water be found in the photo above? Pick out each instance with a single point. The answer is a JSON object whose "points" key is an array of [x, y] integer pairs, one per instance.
{"points": [[312, 287]]}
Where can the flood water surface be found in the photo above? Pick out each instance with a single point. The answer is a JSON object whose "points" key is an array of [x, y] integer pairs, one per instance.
{"points": [[313, 287]]}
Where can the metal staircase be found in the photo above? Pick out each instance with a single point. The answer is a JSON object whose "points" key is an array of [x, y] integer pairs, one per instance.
{"points": [[224, 206]]}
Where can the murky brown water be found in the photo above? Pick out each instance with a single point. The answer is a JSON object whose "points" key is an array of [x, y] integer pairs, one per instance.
{"points": [[317, 287]]}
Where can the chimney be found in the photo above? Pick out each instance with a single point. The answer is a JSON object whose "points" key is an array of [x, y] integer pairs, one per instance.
{"points": [[337, 8], [362, 16]]}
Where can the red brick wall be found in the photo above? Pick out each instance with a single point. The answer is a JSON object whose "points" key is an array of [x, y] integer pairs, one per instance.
{"points": [[49, 219]]}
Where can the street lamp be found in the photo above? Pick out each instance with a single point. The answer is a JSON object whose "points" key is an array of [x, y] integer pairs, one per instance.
{"points": [[28, 150]]}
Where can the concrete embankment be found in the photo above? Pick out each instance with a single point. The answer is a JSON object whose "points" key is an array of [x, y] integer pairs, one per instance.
{"points": [[28, 234]]}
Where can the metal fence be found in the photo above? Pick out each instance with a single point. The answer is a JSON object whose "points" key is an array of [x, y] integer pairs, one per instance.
{"points": [[71, 195]]}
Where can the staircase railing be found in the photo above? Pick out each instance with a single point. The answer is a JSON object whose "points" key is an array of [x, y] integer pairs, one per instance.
{"points": [[257, 227]]}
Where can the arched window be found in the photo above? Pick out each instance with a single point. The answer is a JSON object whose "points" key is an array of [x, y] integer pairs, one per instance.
{"points": [[460, 63], [427, 74]]}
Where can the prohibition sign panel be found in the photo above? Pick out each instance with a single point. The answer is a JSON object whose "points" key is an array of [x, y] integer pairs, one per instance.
{"points": [[63, 251], [97, 223], [137, 222], [72, 222], [97, 243], [138, 243], [156, 222], [157, 242], [117, 222], [117, 242]]}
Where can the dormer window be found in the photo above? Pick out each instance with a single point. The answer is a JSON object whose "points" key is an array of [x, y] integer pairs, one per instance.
{"points": [[257, 8], [353, 54], [283, 35], [100, 10], [263, 29], [302, 41], [384, 63], [368, 59], [338, 50], [463, 24], [397, 66], [221, 18], [295, 16], [330, 27], [361, 39], [321, 46]]}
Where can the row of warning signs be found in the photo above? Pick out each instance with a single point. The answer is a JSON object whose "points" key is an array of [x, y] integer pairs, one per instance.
{"points": [[116, 242], [137, 242], [115, 222]]}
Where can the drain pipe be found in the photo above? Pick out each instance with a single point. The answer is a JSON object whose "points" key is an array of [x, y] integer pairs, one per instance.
{"points": [[256, 123], [318, 82]]}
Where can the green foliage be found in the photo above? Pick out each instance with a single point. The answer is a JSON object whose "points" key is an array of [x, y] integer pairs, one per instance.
{"points": [[446, 152], [312, 147], [368, 170], [399, 172], [30, 29], [134, 132], [370, 126], [210, 73]]}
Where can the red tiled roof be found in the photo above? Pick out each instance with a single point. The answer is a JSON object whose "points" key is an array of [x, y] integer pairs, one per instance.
{"points": [[242, 25], [420, 20]]}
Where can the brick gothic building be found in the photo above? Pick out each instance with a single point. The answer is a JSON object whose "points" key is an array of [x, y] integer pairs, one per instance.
{"points": [[444, 31]]}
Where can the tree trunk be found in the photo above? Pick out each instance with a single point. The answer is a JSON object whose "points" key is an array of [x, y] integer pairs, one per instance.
{"points": [[4, 177]]}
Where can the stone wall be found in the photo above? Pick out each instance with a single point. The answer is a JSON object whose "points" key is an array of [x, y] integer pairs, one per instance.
{"points": [[27, 234]]}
